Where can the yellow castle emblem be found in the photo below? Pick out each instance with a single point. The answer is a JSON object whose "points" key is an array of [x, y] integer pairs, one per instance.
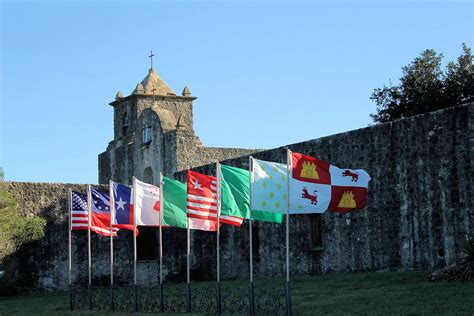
{"points": [[308, 170], [347, 200]]}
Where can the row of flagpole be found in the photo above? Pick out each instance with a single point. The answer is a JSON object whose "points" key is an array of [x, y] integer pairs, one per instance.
{"points": [[188, 246]]}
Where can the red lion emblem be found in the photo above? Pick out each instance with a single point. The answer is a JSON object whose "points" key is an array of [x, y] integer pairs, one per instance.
{"points": [[313, 198], [348, 173]]}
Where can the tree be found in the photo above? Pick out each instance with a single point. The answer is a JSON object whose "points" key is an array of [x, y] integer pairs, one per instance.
{"points": [[425, 87], [16, 229]]}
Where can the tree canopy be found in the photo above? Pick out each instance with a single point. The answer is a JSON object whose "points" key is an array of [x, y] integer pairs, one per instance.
{"points": [[426, 87]]}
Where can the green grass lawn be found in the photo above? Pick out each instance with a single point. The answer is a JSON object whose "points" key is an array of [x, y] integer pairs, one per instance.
{"points": [[334, 294]]}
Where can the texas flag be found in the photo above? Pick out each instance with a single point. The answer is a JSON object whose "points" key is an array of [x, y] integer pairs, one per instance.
{"points": [[316, 186], [122, 212]]}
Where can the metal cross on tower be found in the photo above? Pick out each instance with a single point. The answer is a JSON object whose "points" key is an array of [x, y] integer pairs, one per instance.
{"points": [[151, 59]]}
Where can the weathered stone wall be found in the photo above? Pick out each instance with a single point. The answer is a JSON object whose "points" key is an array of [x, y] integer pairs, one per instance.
{"points": [[420, 212], [174, 146], [420, 209], [189, 155]]}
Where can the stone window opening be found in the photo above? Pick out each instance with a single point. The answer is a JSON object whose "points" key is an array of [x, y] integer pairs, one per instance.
{"points": [[124, 124], [316, 236], [147, 244], [146, 135]]}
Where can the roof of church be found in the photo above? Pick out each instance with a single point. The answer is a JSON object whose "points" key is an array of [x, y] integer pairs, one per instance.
{"points": [[153, 81]]}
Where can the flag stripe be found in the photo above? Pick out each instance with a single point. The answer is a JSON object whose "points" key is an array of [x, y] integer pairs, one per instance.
{"points": [[202, 198], [203, 216], [201, 209], [202, 206], [231, 220]]}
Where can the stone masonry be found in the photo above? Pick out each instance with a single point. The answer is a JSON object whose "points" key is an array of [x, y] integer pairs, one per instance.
{"points": [[419, 214], [153, 133]]}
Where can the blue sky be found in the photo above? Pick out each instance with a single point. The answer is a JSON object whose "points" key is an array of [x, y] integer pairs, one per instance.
{"points": [[265, 73]]}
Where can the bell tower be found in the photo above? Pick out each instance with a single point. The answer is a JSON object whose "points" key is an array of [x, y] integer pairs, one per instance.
{"points": [[144, 124]]}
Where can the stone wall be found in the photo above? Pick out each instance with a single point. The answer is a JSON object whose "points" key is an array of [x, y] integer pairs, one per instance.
{"points": [[420, 209], [419, 214]]}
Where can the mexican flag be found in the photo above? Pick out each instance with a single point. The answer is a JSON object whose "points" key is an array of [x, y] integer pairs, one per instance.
{"points": [[235, 183]]}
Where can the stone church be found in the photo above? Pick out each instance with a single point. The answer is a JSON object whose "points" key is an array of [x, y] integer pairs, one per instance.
{"points": [[153, 133], [419, 214]]}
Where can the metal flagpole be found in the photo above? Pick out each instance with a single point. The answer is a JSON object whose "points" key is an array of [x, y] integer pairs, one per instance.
{"points": [[252, 300], [70, 250], [135, 294], [188, 263], [188, 276], [287, 285], [112, 216], [89, 251], [218, 290], [161, 197]]}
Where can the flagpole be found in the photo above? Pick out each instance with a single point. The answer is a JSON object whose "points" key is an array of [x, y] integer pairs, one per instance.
{"points": [[188, 276], [188, 263], [252, 300], [161, 242], [135, 294], [70, 250], [89, 251], [287, 285], [112, 216], [218, 291]]}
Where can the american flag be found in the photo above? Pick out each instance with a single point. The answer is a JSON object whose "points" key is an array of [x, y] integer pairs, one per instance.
{"points": [[202, 203], [100, 217], [79, 214]]}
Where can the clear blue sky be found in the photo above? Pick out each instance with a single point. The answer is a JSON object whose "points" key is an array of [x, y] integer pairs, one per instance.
{"points": [[265, 73]]}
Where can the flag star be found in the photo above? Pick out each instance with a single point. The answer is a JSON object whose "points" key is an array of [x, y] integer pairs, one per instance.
{"points": [[275, 168], [284, 196], [264, 184], [283, 178], [264, 203], [300, 207], [120, 204], [197, 185], [278, 186], [271, 195], [270, 176], [100, 207], [277, 204], [262, 166]]}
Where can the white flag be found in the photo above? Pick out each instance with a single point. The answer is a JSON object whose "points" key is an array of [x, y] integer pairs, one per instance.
{"points": [[269, 186], [147, 206]]}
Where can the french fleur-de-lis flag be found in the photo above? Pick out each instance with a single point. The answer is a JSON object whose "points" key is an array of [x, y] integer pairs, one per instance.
{"points": [[316, 186]]}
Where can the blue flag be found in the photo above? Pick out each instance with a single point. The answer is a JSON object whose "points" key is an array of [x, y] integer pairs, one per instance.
{"points": [[123, 208]]}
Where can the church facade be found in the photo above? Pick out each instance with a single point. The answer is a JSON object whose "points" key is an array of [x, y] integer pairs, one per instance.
{"points": [[153, 133]]}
